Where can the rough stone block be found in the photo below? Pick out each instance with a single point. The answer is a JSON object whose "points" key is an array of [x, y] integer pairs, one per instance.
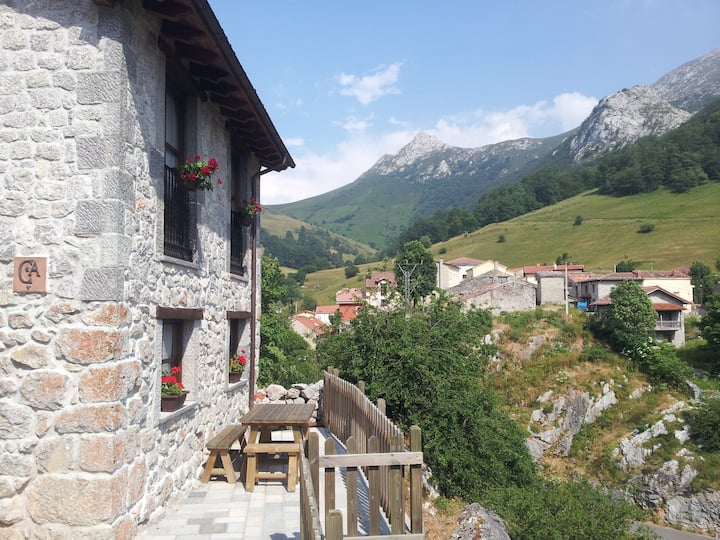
{"points": [[98, 87], [91, 152], [110, 314], [102, 453], [118, 184], [102, 284], [89, 216], [45, 389], [31, 356], [91, 419], [115, 250], [81, 346], [15, 421], [12, 510], [56, 454], [109, 383], [76, 501]]}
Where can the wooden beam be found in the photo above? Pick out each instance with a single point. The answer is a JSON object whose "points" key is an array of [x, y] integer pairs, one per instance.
{"points": [[231, 315], [183, 314], [368, 460], [167, 8]]}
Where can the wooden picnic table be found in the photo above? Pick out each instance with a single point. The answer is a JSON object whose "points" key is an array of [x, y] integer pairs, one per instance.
{"points": [[261, 420]]}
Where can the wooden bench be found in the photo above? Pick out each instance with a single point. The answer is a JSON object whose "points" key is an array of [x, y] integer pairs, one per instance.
{"points": [[252, 451], [219, 447]]}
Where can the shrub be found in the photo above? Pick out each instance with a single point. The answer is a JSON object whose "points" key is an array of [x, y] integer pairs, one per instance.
{"points": [[646, 228], [578, 220], [705, 424], [662, 363], [595, 352], [563, 510]]}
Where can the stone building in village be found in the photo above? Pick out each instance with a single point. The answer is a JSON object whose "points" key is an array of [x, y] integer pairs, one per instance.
{"points": [[112, 269]]}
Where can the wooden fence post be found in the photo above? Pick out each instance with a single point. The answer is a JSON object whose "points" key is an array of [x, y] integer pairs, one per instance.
{"points": [[397, 523], [374, 489], [330, 482], [352, 491], [416, 522], [314, 460], [333, 525]]}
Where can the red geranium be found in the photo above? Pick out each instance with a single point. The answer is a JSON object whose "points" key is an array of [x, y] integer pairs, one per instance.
{"points": [[199, 172]]}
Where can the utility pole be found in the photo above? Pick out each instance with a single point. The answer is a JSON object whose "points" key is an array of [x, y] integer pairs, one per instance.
{"points": [[407, 269]]}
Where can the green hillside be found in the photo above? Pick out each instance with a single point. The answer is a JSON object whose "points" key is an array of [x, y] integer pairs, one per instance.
{"points": [[686, 229]]}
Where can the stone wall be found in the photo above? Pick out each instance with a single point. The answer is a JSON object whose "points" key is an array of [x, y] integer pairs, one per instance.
{"points": [[84, 450]]}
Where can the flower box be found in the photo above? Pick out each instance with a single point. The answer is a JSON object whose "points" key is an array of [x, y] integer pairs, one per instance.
{"points": [[172, 403]]}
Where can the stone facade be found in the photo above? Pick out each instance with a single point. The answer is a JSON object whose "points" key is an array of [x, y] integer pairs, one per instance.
{"points": [[85, 451]]}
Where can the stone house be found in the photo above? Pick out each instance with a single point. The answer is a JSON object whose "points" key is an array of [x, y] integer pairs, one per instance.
{"points": [[531, 273], [452, 273], [309, 326], [592, 287], [497, 291], [379, 288], [113, 270], [670, 309]]}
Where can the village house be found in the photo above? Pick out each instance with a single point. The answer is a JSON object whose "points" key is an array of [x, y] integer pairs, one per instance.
{"points": [[115, 269], [309, 326], [379, 288], [452, 273], [670, 323], [530, 273], [497, 291], [592, 287]]}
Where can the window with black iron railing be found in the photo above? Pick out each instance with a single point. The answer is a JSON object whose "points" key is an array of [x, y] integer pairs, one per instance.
{"points": [[237, 244], [180, 233]]}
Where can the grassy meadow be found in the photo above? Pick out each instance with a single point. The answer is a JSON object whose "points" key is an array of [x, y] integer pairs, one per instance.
{"points": [[686, 228]]}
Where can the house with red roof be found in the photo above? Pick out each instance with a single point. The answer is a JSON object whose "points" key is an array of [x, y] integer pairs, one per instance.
{"points": [[309, 326], [379, 287], [670, 308]]}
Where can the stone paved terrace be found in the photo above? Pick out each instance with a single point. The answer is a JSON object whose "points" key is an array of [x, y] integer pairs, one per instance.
{"points": [[218, 510]]}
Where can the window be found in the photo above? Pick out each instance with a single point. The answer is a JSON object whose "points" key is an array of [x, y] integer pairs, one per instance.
{"points": [[240, 190], [239, 333], [180, 220], [176, 330], [172, 346]]}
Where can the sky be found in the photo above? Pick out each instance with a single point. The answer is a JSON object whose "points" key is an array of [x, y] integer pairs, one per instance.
{"points": [[348, 82]]}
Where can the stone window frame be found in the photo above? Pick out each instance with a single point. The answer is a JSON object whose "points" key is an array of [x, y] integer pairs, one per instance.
{"points": [[240, 189], [239, 337], [182, 321]]}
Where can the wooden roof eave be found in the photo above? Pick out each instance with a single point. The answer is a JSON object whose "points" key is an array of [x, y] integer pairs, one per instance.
{"points": [[193, 34]]}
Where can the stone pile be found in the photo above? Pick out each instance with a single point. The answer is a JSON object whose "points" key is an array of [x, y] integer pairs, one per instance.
{"points": [[297, 393]]}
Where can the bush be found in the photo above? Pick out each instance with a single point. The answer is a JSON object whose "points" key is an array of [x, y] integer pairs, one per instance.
{"points": [[662, 363], [556, 511], [705, 424], [578, 220], [646, 228], [595, 352]]}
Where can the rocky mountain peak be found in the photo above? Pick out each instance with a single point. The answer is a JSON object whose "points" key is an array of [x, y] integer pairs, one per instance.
{"points": [[422, 145], [692, 85], [622, 118]]}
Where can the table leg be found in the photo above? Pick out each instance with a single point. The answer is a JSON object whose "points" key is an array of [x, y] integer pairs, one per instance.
{"points": [[251, 465]]}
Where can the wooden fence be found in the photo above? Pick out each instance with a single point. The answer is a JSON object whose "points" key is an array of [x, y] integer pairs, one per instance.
{"points": [[375, 449]]}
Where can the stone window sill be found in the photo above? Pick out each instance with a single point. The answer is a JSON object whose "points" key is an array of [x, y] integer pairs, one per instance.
{"points": [[189, 407]]}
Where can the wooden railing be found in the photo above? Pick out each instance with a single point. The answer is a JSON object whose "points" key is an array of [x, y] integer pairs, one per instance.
{"points": [[375, 449]]}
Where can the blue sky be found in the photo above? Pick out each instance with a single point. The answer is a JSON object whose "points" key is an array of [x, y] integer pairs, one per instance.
{"points": [[347, 82]]}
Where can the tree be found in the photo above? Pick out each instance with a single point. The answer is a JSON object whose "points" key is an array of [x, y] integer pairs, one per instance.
{"points": [[428, 363], [710, 322], [630, 320], [418, 262], [703, 281], [351, 271], [626, 265]]}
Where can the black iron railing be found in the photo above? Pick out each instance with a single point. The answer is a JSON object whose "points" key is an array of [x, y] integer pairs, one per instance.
{"points": [[180, 231], [237, 244]]}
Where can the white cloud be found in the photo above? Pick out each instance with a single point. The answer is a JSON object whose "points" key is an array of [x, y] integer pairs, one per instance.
{"points": [[315, 174], [368, 88], [357, 125], [479, 128], [295, 141]]}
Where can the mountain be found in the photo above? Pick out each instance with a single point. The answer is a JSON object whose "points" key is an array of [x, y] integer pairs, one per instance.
{"points": [[428, 175], [622, 118], [692, 85], [425, 176]]}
